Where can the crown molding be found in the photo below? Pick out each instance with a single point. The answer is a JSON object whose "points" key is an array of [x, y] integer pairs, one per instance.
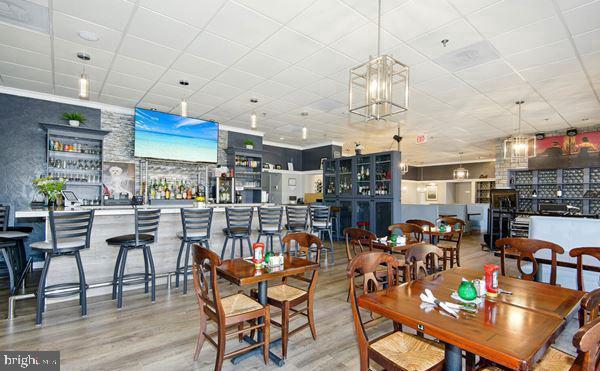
{"points": [[454, 163], [323, 144]]}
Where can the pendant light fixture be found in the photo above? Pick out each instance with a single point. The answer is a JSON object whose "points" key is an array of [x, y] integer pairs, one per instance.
{"points": [[84, 81], [304, 129], [184, 103], [519, 147], [379, 87], [403, 165], [460, 173], [253, 115]]}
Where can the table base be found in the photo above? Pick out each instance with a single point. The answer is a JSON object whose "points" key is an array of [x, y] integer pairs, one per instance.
{"points": [[258, 352], [453, 356]]}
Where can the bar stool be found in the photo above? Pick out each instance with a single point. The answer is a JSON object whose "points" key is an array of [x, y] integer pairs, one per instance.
{"points": [[196, 225], [320, 221], [146, 227], [297, 219], [270, 224], [239, 224], [70, 233], [12, 245]]}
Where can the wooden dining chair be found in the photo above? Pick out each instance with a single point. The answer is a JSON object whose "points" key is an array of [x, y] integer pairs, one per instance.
{"points": [[590, 307], [451, 244], [355, 241], [288, 298], [524, 249], [412, 232], [587, 342], [424, 224], [423, 258], [579, 253], [396, 350], [225, 312]]}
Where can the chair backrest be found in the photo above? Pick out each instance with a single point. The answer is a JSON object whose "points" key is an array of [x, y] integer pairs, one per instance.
{"points": [[270, 217], [590, 307], [320, 214], [412, 232], [457, 225], [421, 223], [204, 268], [524, 249], [239, 217], [367, 263], [4, 216], [304, 242], [423, 258], [353, 238], [297, 215], [197, 221], [146, 222], [70, 228], [579, 253], [587, 341]]}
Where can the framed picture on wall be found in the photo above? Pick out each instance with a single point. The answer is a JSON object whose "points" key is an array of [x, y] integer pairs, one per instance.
{"points": [[119, 178], [292, 182], [431, 192]]}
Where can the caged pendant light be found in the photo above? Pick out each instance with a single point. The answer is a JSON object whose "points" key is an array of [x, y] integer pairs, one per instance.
{"points": [[519, 147], [379, 87], [460, 172]]}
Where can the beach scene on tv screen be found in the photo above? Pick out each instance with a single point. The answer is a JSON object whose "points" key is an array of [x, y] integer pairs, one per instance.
{"points": [[167, 136]]}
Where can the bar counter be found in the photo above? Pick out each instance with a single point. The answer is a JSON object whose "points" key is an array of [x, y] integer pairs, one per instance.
{"points": [[110, 221]]}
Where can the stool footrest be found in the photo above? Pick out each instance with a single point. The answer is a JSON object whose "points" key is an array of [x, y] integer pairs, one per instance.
{"points": [[134, 278], [71, 287]]}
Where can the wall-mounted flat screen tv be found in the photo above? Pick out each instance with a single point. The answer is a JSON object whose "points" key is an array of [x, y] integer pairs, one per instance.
{"points": [[171, 137]]}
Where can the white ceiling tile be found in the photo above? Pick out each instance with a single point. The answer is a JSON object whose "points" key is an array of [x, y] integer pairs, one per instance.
{"points": [[425, 71], [570, 4], [588, 42], [152, 26], [72, 82], [498, 83], [362, 43], [132, 82], [221, 90], [301, 97], [406, 55], [327, 61], [206, 99], [70, 90], [296, 77], [534, 35], [23, 72], [551, 70], [25, 57], [122, 92], [173, 77], [592, 62], [109, 13], [416, 17], [289, 45], [239, 78], [459, 33], [469, 6], [136, 67], [280, 106], [316, 21], [485, 71], [280, 10], [173, 91], [24, 39], [25, 84], [442, 83], [160, 100], [74, 69], [542, 55], [118, 101], [193, 12], [326, 87], [216, 48], [134, 47], [369, 8], [153, 104], [506, 15], [261, 64], [584, 18], [68, 28], [68, 50], [242, 25], [197, 66], [273, 89]]}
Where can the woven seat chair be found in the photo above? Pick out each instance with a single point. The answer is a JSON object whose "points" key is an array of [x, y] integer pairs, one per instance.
{"points": [[451, 244], [412, 232]]}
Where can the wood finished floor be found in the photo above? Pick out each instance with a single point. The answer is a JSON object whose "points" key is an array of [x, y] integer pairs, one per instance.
{"points": [[162, 336]]}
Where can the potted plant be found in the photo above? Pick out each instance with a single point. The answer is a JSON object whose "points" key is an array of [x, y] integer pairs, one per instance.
{"points": [[51, 188], [249, 143], [74, 118]]}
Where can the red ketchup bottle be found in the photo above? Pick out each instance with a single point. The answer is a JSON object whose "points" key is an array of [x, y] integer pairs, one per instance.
{"points": [[491, 279], [258, 258]]}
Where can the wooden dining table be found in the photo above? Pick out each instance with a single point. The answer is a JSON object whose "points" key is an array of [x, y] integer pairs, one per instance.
{"points": [[389, 246], [512, 330], [242, 272]]}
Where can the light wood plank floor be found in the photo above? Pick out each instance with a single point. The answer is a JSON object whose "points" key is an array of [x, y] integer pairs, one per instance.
{"points": [[162, 336]]}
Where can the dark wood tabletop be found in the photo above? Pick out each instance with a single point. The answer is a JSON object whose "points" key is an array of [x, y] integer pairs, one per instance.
{"points": [[437, 232], [513, 331], [389, 246], [242, 272]]}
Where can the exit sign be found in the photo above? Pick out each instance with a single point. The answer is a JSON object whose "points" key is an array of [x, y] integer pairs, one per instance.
{"points": [[421, 138]]}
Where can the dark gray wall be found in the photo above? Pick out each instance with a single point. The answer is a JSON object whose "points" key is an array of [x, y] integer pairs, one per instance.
{"points": [[23, 146], [413, 173], [281, 156], [311, 158], [443, 172], [236, 140]]}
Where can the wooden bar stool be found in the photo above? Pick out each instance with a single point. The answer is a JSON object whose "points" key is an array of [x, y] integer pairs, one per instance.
{"points": [[196, 225], [269, 225], [239, 224], [146, 228], [70, 233]]}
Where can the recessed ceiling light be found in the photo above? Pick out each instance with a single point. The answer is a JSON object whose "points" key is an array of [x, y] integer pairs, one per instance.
{"points": [[585, 119], [281, 138], [184, 82], [88, 36], [83, 56], [445, 41]]}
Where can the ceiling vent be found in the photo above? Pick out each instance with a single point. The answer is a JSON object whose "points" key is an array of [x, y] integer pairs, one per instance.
{"points": [[469, 56], [25, 14]]}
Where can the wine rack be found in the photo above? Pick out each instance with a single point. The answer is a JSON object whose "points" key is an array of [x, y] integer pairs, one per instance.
{"points": [[571, 176], [482, 191]]}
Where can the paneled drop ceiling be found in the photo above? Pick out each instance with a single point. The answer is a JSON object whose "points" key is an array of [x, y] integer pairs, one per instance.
{"points": [[294, 56]]}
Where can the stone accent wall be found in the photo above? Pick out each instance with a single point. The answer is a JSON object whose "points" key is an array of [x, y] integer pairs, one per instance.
{"points": [[504, 166]]}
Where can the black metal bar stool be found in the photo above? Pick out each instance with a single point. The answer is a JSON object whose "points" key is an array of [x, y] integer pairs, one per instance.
{"points": [[196, 225], [70, 233], [320, 222], [239, 224], [269, 219], [146, 227], [12, 246], [297, 219]]}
